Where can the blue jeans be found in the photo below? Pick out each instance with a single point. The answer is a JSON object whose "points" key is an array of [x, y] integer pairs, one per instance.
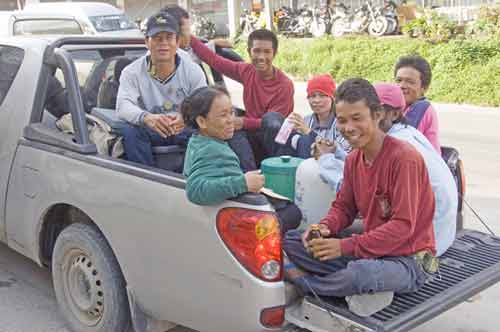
{"points": [[345, 276], [139, 141], [252, 147]]}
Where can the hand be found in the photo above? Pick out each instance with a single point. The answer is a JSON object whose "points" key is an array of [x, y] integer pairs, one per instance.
{"points": [[255, 181], [238, 122], [323, 229], [322, 146], [325, 249], [177, 123], [224, 43], [160, 123], [298, 123]]}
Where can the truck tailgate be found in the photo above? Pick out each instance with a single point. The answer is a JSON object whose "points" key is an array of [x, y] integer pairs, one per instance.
{"points": [[469, 266]]}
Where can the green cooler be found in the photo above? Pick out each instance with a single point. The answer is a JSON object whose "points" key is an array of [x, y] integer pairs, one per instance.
{"points": [[280, 174]]}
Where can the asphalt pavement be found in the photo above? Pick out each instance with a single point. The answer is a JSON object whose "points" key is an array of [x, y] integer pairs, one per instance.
{"points": [[27, 302]]}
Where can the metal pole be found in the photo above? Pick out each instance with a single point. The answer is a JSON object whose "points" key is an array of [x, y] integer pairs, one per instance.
{"points": [[233, 13], [268, 11]]}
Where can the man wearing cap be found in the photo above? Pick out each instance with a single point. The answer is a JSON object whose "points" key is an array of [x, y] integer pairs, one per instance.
{"points": [[267, 95], [386, 182], [152, 89]]}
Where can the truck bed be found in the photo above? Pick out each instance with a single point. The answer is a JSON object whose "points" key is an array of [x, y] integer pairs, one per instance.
{"points": [[468, 267]]}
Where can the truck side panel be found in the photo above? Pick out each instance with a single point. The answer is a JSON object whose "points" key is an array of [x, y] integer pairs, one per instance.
{"points": [[14, 116], [169, 250]]}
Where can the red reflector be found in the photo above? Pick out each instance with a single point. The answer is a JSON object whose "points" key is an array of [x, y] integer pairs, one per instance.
{"points": [[272, 317]]}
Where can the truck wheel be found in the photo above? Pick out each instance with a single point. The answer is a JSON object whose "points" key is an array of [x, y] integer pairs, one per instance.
{"points": [[88, 282]]}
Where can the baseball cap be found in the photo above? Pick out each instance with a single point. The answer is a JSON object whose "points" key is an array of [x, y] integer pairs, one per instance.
{"points": [[390, 94], [161, 22], [321, 83]]}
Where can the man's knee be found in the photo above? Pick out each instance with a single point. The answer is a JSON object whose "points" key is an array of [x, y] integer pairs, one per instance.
{"points": [[272, 121], [291, 239]]}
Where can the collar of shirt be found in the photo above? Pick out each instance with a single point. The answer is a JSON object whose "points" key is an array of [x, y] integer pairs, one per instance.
{"points": [[316, 125], [152, 69]]}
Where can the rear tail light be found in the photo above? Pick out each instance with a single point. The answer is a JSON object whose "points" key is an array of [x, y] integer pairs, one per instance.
{"points": [[253, 237], [272, 317]]}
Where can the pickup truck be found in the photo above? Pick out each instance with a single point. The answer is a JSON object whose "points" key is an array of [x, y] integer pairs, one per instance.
{"points": [[126, 247]]}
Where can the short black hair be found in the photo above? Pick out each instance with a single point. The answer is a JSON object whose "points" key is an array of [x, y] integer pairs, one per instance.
{"points": [[357, 89], [419, 64], [263, 34], [176, 11], [402, 119], [199, 103]]}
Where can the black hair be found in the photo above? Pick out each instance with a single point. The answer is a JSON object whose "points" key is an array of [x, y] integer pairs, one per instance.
{"points": [[357, 89], [419, 64], [176, 11], [199, 103], [263, 34], [119, 66], [402, 119]]}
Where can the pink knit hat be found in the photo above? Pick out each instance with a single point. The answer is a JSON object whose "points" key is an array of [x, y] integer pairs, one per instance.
{"points": [[390, 94]]}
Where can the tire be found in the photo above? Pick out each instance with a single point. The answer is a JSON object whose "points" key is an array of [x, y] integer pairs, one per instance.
{"points": [[89, 285], [378, 27], [318, 29], [338, 28], [392, 26]]}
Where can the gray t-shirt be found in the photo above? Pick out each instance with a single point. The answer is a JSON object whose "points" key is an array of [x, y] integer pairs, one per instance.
{"points": [[139, 92]]}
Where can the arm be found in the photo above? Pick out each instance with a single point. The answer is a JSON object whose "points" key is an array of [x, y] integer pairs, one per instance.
{"points": [[127, 99], [206, 184], [226, 67], [282, 103], [207, 190], [405, 202], [429, 126], [343, 210]]}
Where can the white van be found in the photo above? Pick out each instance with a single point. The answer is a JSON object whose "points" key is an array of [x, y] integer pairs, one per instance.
{"points": [[93, 18]]}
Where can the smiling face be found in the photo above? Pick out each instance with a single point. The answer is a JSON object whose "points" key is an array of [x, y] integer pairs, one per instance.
{"points": [[219, 121], [410, 81], [357, 123], [163, 47], [262, 55], [320, 103]]}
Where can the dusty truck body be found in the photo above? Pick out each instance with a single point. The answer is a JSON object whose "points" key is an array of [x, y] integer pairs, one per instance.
{"points": [[125, 245]]}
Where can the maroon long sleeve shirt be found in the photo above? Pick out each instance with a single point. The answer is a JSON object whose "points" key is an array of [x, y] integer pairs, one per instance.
{"points": [[395, 199], [259, 96]]}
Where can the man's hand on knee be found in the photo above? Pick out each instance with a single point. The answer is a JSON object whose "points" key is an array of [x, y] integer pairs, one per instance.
{"points": [[160, 123]]}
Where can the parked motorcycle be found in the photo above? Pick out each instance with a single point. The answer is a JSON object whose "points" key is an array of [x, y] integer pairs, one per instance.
{"points": [[366, 18], [322, 20], [301, 22], [202, 26]]}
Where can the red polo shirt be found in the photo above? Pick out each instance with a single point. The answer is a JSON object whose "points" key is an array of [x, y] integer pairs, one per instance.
{"points": [[259, 96]]}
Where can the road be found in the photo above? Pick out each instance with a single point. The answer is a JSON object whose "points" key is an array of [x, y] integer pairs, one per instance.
{"points": [[27, 302]]}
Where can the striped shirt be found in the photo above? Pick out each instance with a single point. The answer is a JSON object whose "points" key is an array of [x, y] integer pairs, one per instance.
{"points": [[329, 131]]}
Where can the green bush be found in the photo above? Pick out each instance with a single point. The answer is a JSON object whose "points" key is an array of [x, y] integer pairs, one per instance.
{"points": [[464, 71], [431, 26]]}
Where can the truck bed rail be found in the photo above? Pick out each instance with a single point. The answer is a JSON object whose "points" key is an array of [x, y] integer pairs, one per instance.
{"points": [[468, 267]]}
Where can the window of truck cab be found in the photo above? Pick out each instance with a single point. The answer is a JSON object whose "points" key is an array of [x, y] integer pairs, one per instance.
{"points": [[47, 26], [10, 61]]}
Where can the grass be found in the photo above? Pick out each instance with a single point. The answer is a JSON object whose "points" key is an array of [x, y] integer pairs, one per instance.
{"points": [[464, 71]]}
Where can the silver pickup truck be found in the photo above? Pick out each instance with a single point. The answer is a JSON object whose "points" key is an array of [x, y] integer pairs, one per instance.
{"points": [[125, 246]]}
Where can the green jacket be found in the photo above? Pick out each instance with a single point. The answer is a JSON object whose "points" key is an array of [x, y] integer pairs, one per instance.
{"points": [[212, 170]]}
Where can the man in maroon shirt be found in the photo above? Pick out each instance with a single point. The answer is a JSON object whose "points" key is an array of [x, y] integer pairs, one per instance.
{"points": [[267, 95], [386, 182]]}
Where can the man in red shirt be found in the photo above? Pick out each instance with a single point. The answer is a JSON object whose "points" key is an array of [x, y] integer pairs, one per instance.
{"points": [[386, 182], [267, 95]]}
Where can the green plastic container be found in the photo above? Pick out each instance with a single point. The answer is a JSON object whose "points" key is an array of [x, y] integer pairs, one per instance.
{"points": [[280, 174]]}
